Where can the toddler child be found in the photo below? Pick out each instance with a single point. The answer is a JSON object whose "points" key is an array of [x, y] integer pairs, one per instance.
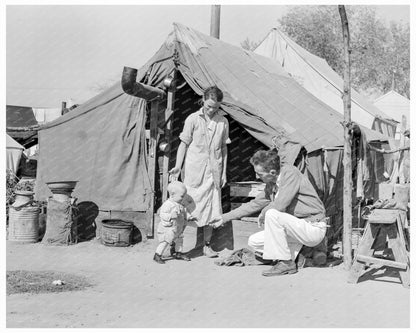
{"points": [[173, 219]]}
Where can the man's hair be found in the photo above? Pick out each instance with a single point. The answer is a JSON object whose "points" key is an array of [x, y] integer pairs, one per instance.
{"points": [[214, 93], [267, 159], [174, 186]]}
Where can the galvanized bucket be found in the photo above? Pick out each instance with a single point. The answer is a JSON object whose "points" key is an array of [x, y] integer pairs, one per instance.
{"points": [[24, 224]]}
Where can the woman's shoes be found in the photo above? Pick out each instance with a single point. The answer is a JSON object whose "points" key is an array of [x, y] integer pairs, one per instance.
{"points": [[209, 252]]}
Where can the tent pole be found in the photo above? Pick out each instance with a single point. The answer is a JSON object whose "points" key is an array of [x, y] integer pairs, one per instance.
{"points": [[215, 21], [403, 124], [347, 223], [152, 159], [170, 84]]}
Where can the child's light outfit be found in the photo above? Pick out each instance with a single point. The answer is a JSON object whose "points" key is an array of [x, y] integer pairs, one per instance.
{"points": [[171, 229]]}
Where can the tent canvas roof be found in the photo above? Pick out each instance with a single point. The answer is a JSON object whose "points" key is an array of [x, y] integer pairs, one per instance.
{"points": [[395, 105], [317, 76], [12, 143], [21, 116], [258, 92], [101, 143]]}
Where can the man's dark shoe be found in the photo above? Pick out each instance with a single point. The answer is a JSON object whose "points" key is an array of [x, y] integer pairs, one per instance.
{"points": [[319, 258], [158, 258], [282, 268], [181, 256]]}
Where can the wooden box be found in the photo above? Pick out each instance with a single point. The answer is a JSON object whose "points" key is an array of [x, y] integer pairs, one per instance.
{"points": [[246, 189]]}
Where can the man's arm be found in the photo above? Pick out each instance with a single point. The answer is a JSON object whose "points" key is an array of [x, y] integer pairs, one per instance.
{"points": [[289, 186], [248, 208]]}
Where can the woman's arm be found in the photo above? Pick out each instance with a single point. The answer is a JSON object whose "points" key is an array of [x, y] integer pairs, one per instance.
{"points": [[224, 152], [180, 156]]}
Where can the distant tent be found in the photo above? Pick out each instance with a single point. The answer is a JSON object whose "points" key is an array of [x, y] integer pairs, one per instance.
{"points": [[102, 142], [14, 152], [45, 115], [21, 117], [316, 76], [395, 106]]}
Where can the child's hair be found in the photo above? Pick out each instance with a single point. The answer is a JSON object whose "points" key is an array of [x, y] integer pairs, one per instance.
{"points": [[175, 186], [214, 93]]}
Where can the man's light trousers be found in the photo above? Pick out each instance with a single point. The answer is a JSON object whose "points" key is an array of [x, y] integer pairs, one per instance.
{"points": [[284, 235]]}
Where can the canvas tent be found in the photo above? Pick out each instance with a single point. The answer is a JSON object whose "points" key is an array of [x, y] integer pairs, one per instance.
{"points": [[316, 76], [18, 117], [104, 142], [395, 106], [14, 152]]}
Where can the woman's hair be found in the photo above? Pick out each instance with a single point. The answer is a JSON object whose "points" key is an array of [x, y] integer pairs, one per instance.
{"points": [[267, 159], [214, 93]]}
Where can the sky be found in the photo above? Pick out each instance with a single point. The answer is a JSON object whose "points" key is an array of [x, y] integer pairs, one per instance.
{"points": [[57, 53]]}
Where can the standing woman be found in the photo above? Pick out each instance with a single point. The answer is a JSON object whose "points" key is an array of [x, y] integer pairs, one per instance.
{"points": [[203, 146]]}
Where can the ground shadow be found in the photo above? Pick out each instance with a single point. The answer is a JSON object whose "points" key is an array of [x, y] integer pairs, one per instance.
{"points": [[86, 226], [222, 238], [136, 235], [380, 273]]}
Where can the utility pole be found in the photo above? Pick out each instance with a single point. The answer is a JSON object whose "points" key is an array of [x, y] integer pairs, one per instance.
{"points": [[215, 21], [347, 231]]}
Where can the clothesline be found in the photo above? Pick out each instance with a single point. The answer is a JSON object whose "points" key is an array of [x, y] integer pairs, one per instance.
{"points": [[389, 151]]}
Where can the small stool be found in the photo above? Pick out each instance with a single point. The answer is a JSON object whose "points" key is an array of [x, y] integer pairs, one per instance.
{"points": [[391, 221]]}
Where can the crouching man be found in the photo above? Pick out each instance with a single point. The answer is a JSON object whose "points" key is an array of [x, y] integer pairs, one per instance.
{"points": [[295, 216]]}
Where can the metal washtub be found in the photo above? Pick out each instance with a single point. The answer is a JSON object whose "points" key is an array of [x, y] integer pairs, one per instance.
{"points": [[116, 232]]}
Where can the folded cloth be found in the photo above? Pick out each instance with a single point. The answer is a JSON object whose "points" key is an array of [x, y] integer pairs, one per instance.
{"points": [[387, 204], [241, 257]]}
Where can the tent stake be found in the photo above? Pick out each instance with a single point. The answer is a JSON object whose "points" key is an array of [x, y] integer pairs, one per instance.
{"points": [[347, 216]]}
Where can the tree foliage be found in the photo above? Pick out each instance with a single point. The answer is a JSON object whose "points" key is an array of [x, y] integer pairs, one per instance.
{"points": [[249, 45], [380, 51]]}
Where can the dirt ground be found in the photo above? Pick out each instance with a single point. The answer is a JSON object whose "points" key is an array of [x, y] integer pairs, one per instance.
{"points": [[130, 290]]}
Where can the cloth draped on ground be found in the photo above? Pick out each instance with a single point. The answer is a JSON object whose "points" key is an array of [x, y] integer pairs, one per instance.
{"points": [[240, 257]]}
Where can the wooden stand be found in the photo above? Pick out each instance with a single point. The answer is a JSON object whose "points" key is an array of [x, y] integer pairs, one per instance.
{"points": [[392, 222]]}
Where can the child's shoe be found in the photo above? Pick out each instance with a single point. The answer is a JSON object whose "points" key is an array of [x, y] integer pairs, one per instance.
{"points": [[172, 250], [158, 258], [181, 256]]}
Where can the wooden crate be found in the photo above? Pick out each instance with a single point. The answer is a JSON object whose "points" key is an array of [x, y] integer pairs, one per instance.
{"points": [[246, 189], [385, 191], [402, 193], [241, 192]]}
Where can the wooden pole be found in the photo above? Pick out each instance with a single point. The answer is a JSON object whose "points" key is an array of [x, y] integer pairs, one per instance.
{"points": [[215, 21], [168, 134], [347, 232], [403, 125], [154, 108], [63, 108]]}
